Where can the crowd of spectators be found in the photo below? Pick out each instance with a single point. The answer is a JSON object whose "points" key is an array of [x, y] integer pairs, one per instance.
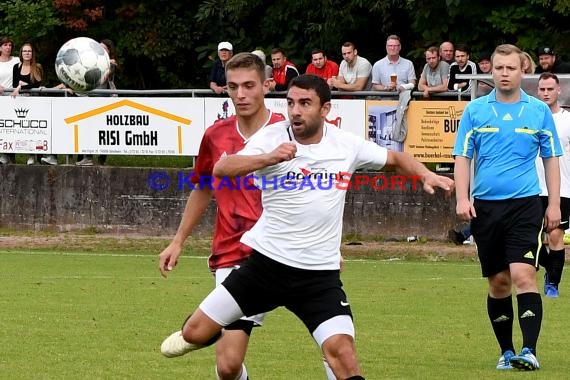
{"points": [[392, 73]]}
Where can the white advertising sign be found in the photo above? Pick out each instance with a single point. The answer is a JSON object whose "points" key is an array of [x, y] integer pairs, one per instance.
{"points": [[25, 124], [137, 126], [348, 114]]}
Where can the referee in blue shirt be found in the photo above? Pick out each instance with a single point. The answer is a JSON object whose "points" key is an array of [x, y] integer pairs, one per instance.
{"points": [[504, 132]]}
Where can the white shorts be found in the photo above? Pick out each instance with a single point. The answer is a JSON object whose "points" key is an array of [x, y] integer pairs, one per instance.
{"points": [[221, 275]]}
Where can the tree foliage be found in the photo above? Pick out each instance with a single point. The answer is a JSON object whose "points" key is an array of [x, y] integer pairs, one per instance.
{"points": [[172, 43]]}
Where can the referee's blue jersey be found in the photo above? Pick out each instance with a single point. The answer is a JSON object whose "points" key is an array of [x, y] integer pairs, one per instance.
{"points": [[506, 138]]}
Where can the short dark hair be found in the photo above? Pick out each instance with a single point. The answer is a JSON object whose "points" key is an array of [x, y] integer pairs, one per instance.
{"points": [[317, 51], [549, 75], [277, 50], [464, 48], [247, 61], [313, 82]]}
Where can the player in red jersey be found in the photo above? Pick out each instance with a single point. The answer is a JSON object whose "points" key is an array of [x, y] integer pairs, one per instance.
{"points": [[237, 210]]}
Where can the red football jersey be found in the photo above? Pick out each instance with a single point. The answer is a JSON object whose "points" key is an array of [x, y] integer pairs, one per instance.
{"points": [[238, 208], [329, 70]]}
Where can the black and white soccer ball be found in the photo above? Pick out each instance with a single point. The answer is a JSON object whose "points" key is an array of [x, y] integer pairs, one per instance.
{"points": [[81, 64]]}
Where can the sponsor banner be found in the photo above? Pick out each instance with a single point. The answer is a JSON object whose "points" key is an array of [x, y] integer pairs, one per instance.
{"points": [[25, 125], [134, 126], [381, 116], [432, 126], [346, 114]]}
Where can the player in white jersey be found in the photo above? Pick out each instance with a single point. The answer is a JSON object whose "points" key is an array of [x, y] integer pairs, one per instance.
{"points": [[296, 242], [553, 258]]}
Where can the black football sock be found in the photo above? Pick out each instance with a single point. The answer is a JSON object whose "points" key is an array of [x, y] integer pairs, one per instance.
{"points": [[556, 264], [500, 311], [543, 258], [530, 318]]}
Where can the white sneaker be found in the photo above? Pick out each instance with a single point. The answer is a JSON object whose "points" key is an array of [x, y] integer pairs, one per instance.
{"points": [[4, 159], [50, 160], [31, 161], [175, 345], [85, 162]]}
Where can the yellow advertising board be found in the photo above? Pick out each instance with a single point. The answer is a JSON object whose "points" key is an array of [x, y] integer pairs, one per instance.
{"points": [[432, 126]]}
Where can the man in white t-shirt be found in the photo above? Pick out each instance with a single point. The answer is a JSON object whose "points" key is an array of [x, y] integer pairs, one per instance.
{"points": [[553, 258], [296, 242], [354, 71]]}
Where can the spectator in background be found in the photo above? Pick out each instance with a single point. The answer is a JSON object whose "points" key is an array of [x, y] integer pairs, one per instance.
{"points": [[283, 70], [109, 84], [268, 69], [548, 62], [462, 65], [26, 75], [393, 73], [7, 62], [434, 76], [217, 76], [447, 52], [321, 66], [529, 67], [484, 66], [354, 71]]}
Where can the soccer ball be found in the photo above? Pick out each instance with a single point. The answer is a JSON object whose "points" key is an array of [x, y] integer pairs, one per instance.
{"points": [[81, 64]]}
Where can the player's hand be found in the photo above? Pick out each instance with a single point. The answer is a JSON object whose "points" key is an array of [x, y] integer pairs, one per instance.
{"points": [[168, 258], [284, 152], [552, 218], [432, 180], [465, 211], [341, 263]]}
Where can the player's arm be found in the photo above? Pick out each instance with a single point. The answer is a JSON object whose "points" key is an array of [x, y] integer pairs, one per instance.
{"points": [[552, 177], [236, 164], [464, 209], [405, 164], [197, 203]]}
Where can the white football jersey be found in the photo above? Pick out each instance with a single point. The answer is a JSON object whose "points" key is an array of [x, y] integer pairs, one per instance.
{"points": [[301, 222], [562, 122]]}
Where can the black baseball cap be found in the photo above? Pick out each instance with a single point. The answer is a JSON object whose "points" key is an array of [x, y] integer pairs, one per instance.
{"points": [[484, 56], [545, 50]]}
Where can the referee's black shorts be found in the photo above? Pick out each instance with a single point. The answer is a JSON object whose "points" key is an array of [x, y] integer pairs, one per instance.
{"points": [[507, 231], [564, 211]]}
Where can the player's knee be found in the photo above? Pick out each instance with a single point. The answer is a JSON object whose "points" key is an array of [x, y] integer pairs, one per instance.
{"points": [[228, 369], [340, 348], [200, 331]]}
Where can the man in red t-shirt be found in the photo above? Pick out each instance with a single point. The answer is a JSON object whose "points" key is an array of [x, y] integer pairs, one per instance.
{"points": [[283, 70], [321, 65], [238, 201]]}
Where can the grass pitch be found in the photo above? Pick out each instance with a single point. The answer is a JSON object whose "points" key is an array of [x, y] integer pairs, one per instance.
{"points": [[97, 315]]}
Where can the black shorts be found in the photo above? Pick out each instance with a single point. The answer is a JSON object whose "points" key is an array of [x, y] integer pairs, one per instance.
{"points": [[262, 284], [564, 211], [507, 231]]}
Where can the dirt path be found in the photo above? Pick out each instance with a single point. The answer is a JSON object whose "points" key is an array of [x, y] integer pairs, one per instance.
{"points": [[432, 250]]}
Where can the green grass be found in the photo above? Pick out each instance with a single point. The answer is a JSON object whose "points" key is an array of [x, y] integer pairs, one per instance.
{"points": [[103, 315]]}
